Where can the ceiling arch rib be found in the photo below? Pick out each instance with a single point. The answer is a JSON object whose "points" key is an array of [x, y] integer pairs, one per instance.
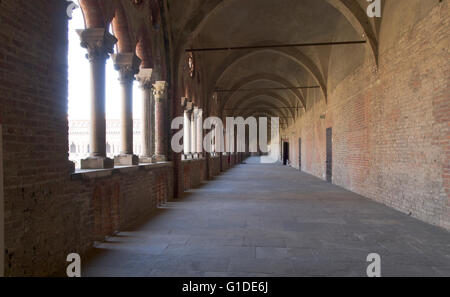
{"points": [[263, 96], [206, 10], [285, 112], [357, 17], [267, 108], [261, 77], [268, 114], [279, 111], [291, 53]]}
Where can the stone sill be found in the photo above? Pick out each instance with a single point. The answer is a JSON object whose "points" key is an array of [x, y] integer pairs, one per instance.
{"points": [[193, 160], [81, 174]]}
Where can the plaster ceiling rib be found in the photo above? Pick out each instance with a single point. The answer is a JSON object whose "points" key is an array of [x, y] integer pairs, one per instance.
{"points": [[267, 105], [261, 96], [256, 98], [358, 18], [350, 9], [261, 107], [291, 53], [283, 121], [261, 77]]}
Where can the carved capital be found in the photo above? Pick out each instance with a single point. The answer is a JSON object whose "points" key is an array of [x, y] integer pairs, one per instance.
{"points": [[127, 64], [98, 42], [144, 77], [184, 101], [160, 90], [189, 107]]}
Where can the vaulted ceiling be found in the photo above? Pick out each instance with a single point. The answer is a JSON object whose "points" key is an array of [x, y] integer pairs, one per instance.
{"points": [[197, 24]]}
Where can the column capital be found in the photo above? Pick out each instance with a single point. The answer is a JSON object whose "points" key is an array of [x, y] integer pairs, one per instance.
{"points": [[160, 90], [189, 108], [98, 42], [144, 77], [127, 64], [184, 101]]}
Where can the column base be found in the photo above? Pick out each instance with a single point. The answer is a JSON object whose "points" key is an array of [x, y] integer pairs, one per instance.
{"points": [[160, 158], [147, 160], [187, 157], [97, 163], [126, 160]]}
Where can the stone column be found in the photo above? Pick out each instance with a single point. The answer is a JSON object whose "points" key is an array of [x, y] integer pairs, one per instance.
{"points": [[160, 94], [213, 141], [148, 119], [199, 132], [128, 65], [194, 132], [187, 131], [99, 44]]}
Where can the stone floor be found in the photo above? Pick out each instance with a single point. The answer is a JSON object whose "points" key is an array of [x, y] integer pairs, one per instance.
{"points": [[270, 220]]}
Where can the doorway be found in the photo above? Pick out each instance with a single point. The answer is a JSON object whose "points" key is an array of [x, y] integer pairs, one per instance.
{"points": [[300, 154], [329, 165], [285, 153]]}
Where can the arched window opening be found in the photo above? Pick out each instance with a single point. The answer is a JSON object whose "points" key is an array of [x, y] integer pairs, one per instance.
{"points": [[79, 105], [79, 90]]}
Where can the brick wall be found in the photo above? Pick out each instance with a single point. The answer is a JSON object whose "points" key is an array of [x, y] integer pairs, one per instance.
{"points": [[47, 214], [391, 127], [214, 167], [194, 173], [121, 197]]}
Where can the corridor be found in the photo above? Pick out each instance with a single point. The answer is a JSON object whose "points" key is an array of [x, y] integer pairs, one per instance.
{"points": [[270, 220]]}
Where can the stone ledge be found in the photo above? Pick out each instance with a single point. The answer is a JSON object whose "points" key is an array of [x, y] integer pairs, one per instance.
{"points": [[81, 174], [193, 160]]}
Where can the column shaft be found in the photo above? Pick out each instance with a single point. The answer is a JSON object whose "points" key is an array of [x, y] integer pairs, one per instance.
{"points": [[145, 83], [127, 65], [127, 118], [98, 120], [194, 131], [200, 132], [159, 92], [187, 133]]}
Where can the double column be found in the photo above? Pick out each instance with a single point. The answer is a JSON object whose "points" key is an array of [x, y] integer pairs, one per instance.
{"points": [[99, 44], [148, 115], [193, 130], [127, 64]]}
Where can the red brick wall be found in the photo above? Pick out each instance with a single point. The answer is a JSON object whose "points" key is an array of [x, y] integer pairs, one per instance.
{"points": [[391, 136], [214, 166], [194, 173], [47, 214]]}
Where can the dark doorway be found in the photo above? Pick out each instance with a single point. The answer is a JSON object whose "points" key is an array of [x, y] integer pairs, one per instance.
{"points": [[285, 153], [330, 155], [300, 154]]}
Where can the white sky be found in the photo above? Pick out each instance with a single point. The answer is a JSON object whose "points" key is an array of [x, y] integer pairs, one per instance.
{"points": [[79, 80]]}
